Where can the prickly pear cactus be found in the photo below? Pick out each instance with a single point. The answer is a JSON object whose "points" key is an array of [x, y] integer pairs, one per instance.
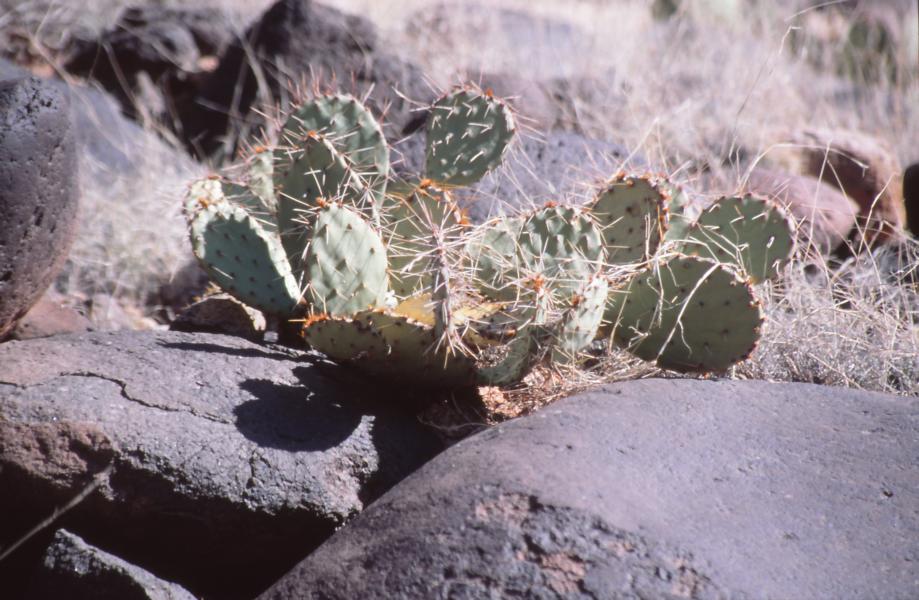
{"points": [[750, 232], [632, 215], [242, 258], [349, 126], [687, 313], [345, 264], [468, 133]]}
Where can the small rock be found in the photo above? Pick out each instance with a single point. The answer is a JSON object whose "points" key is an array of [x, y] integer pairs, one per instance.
{"points": [[76, 570], [229, 458], [221, 313], [650, 489], [825, 216], [861, 166], [39, 195], [50, 316]]}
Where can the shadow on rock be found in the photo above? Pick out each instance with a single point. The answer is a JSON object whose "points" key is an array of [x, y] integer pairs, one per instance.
{"points": [[243, 352], [295, 418]]}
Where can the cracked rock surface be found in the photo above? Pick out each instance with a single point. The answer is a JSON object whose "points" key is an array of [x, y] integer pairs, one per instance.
{"points": [[229, 458], [650, 489]]}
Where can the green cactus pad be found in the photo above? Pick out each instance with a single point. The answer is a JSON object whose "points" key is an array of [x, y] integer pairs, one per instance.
{"points": [[562, 246], [413, 353], [581, 321], [345, 339], [350, 126], [345, 264], [523, 353], [688, 313], [244, 259], [632, 215], [409, 215], [468, 133], [202, 194], [678, 213], [316, 171], [261, 180], [492, 253], [750, 232]]}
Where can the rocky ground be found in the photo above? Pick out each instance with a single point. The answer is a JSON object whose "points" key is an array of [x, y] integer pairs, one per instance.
{"points": [[189, 455]]}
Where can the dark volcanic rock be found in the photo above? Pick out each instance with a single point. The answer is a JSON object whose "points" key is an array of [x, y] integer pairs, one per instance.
{"points": [[650, 489], [38, 193], [229, 457], [911, 198], [297, 39], [76, 570], [156, 44]]}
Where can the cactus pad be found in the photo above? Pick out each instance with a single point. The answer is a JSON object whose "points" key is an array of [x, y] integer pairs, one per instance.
{"points": [[201, 194], [344, 339], [747, 231], [410, 215], [632, 216], [244, 259], [561, 246], [492, 253], [317, 171], [261, 179], [345, 263], [350, 126], [413, 353], [468, 133], [688, 313], [579, 324]]}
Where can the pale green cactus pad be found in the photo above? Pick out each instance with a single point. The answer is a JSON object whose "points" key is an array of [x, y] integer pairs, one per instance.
{"points": [[345, 263], [677, 212], [344, 339], [750, 232], [244, 259], [350, 126], [261, 179], [560, 246], [317, 171], [201, 194], [688, 314], [492, 254], [632, 215], [413, 352], [467, 134], [581, 320], [409, 217]]}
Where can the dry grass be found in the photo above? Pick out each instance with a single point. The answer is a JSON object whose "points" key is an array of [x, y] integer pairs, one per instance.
{"points": [[703, 96]]}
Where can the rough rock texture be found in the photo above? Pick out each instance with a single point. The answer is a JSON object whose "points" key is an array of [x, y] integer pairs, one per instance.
{"points": [[76, 570], [38, 193], [650, 489], [865, 169], [163, 46], [562, 166], [911, 198], [230, 458], [50, 316], [824, 215], [294, 40]]}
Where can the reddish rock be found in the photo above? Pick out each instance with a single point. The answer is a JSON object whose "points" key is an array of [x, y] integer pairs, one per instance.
{"points": [[50, 317], [865, 169], [825, 216]]}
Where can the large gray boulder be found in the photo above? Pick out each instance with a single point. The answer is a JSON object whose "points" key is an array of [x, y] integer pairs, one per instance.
{"points": [[229, 458], [650, 489], [38, 192], [76, 570]]}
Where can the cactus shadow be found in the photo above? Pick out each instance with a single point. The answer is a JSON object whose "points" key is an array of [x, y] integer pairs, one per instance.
{"points": [[296, 418], [267, 352]]}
